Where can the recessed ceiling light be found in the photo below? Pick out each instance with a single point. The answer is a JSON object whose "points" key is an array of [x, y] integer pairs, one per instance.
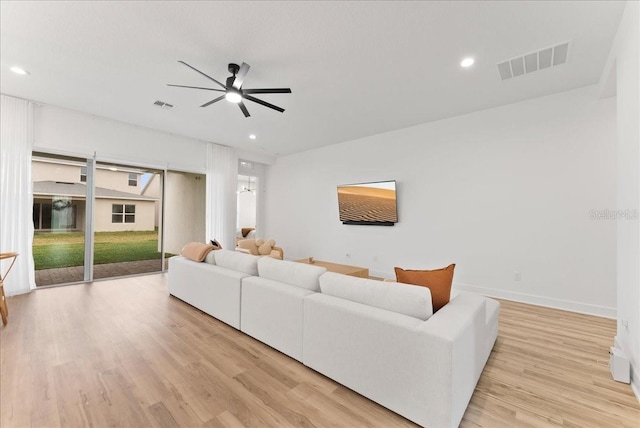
{"points": [[20, 71], [252, 136], [467, 62]]}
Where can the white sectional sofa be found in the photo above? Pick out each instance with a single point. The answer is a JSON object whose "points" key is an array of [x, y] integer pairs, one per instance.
{"points": [[272, 303], [379, 339]]}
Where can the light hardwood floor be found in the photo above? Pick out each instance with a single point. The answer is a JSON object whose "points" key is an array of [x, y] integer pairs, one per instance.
{"points": [[124, 353]]}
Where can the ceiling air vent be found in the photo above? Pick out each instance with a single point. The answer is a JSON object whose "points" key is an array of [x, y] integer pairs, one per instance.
{"points": [[534, 61], [163, 105]]}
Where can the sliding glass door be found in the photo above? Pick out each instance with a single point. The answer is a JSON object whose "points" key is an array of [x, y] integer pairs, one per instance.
{"points": [[59, 218], [95, 220], [127, 220]]}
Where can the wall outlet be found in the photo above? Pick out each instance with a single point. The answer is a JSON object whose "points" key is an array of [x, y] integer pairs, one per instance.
{"points": [[625, 324], [517, 276]]}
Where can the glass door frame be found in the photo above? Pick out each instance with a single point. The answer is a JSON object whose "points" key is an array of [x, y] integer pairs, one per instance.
{"points": [[160, 170], [90, 203]]}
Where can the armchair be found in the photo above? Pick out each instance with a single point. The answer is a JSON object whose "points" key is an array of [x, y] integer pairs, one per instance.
{"points": [[260, 247]]}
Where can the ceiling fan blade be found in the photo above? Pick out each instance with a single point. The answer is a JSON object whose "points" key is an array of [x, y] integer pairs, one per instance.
{"points": [[244, 69], [213, 101], [198, 71], [267, 91], [264, 103], [195, 87], [244, 109]]}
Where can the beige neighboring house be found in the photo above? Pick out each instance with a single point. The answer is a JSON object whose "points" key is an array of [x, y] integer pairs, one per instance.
{"points": [[59, 199]]}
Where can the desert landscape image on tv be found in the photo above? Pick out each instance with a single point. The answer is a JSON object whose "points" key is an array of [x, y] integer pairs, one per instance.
{"points": [[369, 202]]}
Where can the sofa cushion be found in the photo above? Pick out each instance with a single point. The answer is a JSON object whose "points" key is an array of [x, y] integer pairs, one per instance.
{"points": [[395, 297], [272, 312], [196, 251], [438, 281], [237, 261], [292, 273]]}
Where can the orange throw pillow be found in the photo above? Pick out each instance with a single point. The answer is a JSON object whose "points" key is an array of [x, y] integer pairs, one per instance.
{"points": [[438, 281], [196, 251]]}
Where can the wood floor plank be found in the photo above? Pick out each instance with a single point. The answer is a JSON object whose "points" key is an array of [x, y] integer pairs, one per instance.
{"points": [[125, 353], [162, 416]]}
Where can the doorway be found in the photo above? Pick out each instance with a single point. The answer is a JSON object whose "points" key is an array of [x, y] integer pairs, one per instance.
{"points": [[247, 208]]}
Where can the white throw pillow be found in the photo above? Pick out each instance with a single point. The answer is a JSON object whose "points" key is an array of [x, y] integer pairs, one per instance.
{"points": [[292, 273], [404, 299], [211, 258]]}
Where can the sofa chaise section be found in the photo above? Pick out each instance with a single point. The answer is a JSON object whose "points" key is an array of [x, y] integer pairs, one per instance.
{"points": [[424, 370]]}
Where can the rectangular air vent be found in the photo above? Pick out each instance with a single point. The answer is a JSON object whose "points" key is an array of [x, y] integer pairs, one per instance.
{"points": [[163, 105], [534, 61]]}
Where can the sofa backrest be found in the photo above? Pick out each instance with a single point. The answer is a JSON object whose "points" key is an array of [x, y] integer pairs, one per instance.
{"points": [[404, 299], [236, 261], [211, 258], [292, 273]]}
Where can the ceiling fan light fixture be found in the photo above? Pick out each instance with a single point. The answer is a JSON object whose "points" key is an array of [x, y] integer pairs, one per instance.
{"points": [[233, 96]]}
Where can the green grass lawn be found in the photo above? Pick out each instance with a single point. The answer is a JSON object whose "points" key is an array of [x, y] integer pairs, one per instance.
{"points": [[65, 249]]}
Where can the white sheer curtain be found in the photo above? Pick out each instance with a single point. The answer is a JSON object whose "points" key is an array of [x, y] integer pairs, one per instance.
{"points": [[16, 199], [222, 183]]}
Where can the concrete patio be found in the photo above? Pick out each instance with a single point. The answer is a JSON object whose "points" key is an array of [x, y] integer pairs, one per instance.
{"points": [[76, 273]]}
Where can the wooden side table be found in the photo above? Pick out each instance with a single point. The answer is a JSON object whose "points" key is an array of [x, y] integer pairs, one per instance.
{"points": [[360, 272], [3, 302]]}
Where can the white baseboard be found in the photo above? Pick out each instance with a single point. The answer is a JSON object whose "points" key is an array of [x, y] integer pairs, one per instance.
{"points": [[635, 382], [567, 305]]}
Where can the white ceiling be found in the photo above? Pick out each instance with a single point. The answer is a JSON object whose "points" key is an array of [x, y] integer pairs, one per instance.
{"points": [[355, 68]]}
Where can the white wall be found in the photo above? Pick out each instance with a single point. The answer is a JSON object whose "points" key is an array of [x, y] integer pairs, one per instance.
{"points": [[61, 130], [497, 192], [626, 54]]}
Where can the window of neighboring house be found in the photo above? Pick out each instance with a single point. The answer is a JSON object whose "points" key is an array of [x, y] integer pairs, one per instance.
{"points": [[133, 179], [123, 213], [83, 174]]}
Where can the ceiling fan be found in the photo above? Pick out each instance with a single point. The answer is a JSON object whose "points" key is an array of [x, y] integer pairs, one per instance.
{"points": [[233, 91], [247, 188]]}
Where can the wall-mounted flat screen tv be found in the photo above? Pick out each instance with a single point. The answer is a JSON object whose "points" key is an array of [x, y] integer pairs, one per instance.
{"points": [[368, 203]]}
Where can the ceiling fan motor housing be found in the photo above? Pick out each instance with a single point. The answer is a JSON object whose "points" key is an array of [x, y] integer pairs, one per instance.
{"points": [[233, 68]]}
